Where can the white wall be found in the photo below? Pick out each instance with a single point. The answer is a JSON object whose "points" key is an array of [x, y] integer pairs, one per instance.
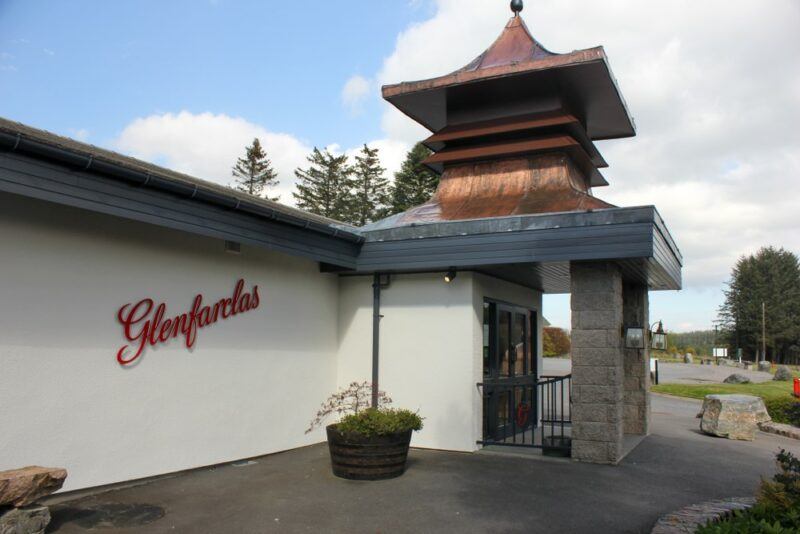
{"points": [[430, 347], [425, 350], [249, 386]]}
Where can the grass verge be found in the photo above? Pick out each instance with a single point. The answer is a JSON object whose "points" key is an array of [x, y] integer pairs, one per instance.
{"points": [[777, 395]]}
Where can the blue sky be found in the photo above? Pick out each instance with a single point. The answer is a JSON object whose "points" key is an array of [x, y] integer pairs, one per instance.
{"points": [[187, 84], [97, 65]]}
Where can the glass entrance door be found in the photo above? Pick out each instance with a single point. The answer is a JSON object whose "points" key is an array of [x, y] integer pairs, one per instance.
{"points": [[509, 370]]}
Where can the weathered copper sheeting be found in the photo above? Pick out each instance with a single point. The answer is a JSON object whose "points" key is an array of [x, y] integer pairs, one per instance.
{"points": [[503, 125], [545, 183], [515, 45], [504, 148], [515, 51]]}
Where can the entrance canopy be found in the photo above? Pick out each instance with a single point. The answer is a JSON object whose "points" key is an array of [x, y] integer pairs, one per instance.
{"points": [[531, 250]]}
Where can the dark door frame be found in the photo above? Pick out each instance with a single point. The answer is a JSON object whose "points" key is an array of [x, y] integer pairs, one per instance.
{"points": [[495, 385]]}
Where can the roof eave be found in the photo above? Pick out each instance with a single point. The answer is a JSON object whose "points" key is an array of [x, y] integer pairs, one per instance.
{"points": [[461, 77]]}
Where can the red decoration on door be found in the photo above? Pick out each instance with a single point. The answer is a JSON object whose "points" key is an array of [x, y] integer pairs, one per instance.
{"points": [[144, 323], [523, 411]]}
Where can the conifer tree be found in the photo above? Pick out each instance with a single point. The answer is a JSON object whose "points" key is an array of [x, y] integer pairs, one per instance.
{"points": [[371, 195], [254, 172], [414, 183], [770, 276], [325, 187]]}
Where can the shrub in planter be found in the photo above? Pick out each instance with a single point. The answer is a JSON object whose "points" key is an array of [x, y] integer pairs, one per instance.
{"points": [[367, 443]]}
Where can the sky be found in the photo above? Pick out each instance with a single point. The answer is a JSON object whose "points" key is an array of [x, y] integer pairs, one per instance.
{"points": [[714, 88]]}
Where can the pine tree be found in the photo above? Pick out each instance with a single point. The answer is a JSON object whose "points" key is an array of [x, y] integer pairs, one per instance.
{"points": [[325, 187], [371, 197], [771, 276], [414, 184], [254, 171]]}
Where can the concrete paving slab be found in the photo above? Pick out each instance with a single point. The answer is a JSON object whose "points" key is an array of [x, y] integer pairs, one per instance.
{"points": [[448, 492]]}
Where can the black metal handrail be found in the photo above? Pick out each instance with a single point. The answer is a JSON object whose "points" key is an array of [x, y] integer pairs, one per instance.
{"points": [[528, 413]]}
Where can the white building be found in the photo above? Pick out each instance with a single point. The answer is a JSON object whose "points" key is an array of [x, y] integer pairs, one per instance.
{"points": [[88, 234]]}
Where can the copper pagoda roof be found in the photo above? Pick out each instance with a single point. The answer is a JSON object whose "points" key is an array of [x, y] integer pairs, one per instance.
{"points": [[584, 74]]}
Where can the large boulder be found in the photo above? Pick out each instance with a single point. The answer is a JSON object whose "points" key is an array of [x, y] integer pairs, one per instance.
{"points": [[783, 374], [26, 520], [764, 366], [736, 378], [687, 358], [733, 416], [21, 487]]}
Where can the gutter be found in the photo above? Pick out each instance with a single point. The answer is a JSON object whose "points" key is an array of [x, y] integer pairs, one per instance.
{"points": [[86, 162]]}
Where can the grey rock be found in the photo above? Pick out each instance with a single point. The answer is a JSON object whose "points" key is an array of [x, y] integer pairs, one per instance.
{"points": [[25, 520], [733, 416], [783, 374], [687, 358], [764, 366], [736, 378]]}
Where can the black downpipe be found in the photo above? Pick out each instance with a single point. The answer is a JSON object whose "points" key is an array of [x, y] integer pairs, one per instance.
{"points": [[377, 285]]}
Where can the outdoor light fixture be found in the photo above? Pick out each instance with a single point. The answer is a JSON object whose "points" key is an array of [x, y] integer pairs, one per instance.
{"points": [[658, 338], [450, 275], [634, 337], [233, 247]]}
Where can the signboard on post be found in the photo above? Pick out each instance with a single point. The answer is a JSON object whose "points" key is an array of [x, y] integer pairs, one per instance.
{"points": [[720, 352]]}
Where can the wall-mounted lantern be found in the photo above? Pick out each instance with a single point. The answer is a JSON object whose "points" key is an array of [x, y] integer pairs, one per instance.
{"points": [[658, 338], [634, 337], [450, 275]]}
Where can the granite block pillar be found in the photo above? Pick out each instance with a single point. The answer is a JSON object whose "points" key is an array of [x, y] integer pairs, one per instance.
{"points": [[635, 311], [597, 362]]}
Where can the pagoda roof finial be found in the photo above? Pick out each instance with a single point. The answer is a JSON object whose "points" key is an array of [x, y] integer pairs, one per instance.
{"points": [[516, 7]]}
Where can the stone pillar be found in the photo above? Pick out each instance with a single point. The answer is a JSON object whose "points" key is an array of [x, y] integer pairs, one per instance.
{"points": [[635, 312], [597, 362]]}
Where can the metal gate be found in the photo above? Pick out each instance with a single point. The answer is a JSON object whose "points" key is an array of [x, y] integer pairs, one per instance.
{"points": [[528, 413]]}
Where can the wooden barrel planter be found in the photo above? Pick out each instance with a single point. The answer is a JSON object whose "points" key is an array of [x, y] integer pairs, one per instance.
{"points": [[358, 457]]}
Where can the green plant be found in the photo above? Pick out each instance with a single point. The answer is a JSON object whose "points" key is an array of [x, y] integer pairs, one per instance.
{"points": [[380, 422], [350, 400], [784, 410], [777, 510]]}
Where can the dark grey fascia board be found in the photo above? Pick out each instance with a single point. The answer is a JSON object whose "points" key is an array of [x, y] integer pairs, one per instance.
{"points": [[517, 223], [46, 180], [662, 228], [545, 245], [603, 235], [196, 192]]}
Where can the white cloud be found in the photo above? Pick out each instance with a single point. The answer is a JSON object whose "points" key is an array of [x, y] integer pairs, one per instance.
{"points": [[715, 90], [714, 87], [207, 145], [354, 92]]}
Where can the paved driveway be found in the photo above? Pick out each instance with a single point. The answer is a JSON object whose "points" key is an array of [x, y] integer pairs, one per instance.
{"points": [[443, 491], [681, 373], [672, 373]]}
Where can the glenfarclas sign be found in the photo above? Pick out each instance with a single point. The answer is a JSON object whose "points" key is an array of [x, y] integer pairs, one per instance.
{"points": [[147, 323]]}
